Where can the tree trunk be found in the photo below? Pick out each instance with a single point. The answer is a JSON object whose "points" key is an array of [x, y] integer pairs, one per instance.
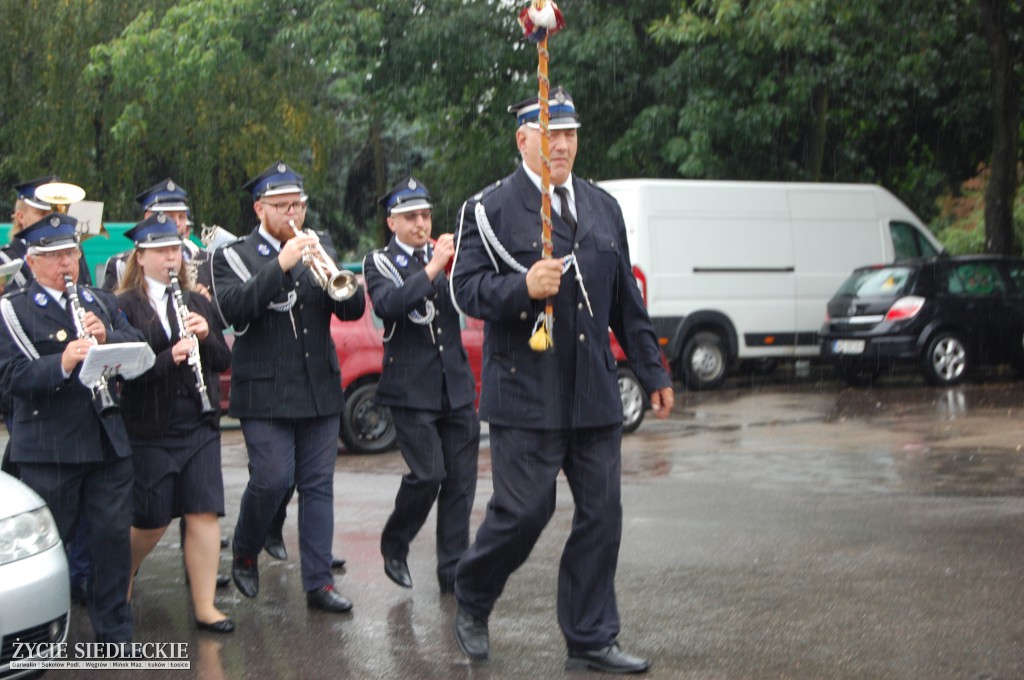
{"points": [[817, 142], [1002, 184]]}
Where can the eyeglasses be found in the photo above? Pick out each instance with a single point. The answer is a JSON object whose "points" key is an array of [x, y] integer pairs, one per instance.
{"points": [[285, 208], [57, 255]]}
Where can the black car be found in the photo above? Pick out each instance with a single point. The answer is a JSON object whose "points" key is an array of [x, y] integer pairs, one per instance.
{"points": [[945, 315]]}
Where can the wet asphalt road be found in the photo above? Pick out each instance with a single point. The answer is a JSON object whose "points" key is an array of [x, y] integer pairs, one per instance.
{"points": [[782, 529]]}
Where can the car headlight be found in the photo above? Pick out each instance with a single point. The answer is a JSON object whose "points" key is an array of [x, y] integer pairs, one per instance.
{"points": [[27, 534]]}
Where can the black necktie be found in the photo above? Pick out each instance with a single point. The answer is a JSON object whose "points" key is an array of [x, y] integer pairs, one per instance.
{"points": [[421, 255], [563, 195]]}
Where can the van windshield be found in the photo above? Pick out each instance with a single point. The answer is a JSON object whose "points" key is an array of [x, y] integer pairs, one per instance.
{"points": [[883, 281]]}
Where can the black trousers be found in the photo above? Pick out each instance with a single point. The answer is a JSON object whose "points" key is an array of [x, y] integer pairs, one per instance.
{"points": [[441, 449], [525, 467], [101, 494]]}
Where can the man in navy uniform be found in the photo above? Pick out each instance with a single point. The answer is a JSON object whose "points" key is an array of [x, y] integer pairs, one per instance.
{"points": [[285, 381], [171, 199], [427, 384], [28, 209], [557, 409], [78, 460]]}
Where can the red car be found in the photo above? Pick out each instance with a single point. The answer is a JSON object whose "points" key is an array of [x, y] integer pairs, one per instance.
{"points": [[367, 427]]}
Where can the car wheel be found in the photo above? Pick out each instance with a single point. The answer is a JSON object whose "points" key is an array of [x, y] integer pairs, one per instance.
{"points": [[366, 427], [704, 361], [945, 362], [858, 376], [634, 407]]}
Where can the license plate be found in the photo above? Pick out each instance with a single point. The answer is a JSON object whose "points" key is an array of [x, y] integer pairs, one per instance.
{"points": [[847, 346]]}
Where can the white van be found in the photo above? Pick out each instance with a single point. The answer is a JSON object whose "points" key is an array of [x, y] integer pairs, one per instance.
{"points": [[736, 271]]}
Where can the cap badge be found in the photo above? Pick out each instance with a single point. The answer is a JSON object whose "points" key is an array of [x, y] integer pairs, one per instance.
{"points": [[412, 184], [161, 217], [54, 221], [281, 167], [560, 97], [170, 185], [41, 299]]}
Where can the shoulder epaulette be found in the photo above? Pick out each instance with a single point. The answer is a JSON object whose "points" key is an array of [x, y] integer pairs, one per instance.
{"points": [[480, 195]]}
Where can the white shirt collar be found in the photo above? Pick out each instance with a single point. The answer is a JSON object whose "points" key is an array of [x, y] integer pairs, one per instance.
{"points": [[409, 250], [275, 243], [57, 295], [156, 289], [535, 178]]}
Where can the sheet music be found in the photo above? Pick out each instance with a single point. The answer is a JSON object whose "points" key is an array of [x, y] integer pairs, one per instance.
{"points": [[126, 359]]}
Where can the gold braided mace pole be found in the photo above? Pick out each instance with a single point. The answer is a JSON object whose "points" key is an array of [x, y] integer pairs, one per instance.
{"points": [[541, 20]]}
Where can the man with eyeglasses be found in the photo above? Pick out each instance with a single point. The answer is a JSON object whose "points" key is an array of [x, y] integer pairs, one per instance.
{"points": [[78, 460], [285, 382]]}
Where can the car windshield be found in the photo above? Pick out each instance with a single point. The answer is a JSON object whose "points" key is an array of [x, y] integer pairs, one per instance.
{"points": [[883, 281]]}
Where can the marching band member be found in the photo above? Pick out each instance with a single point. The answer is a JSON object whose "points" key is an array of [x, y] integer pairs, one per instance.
{"points": [[172, 411], [285, 381], [170, 198], [76, 458], [558, 409], [427, 383]]}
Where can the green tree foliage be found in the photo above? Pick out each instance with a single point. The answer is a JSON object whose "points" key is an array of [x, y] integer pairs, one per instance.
{"points": [[357, 94]]}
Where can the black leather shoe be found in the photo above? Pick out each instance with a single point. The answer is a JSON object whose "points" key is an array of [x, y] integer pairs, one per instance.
{"points": [[224, 541], [471, 635], [222, 626], [398, 571], [246, 575], [337, 563], [327, 600], [610, 659], [274, 545]]}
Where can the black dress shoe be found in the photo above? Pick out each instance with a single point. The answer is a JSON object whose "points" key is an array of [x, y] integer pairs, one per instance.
{"points": [[398, 571], [337, 563], [274, 545], [222, 626], [246, 575], [471, 635], [610, 659], [224, 541], [327, 600]]}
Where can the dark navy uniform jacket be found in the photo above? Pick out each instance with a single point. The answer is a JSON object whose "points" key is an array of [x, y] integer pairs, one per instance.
{"points": [[418, 357], [284, 363], [574, 385], [146, 400], [55, 420]]}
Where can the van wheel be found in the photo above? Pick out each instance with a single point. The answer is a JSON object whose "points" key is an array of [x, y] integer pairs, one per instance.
{"points": [[945, 362], [366, 427], [634, 406], [704, 361]]}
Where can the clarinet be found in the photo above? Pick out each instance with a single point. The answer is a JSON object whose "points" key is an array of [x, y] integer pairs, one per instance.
{"points": [[181, 311], [100, 390]]}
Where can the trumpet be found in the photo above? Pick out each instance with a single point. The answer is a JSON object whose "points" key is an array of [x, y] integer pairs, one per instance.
{"points": [[181, 312], [340, 284], [60, 195], [100, 390]]}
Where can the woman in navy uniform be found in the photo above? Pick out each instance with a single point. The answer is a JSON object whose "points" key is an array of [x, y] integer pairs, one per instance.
{"points": [[75, 458], [427, 383], [285, 381], [558, 409], [174, 428]]}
